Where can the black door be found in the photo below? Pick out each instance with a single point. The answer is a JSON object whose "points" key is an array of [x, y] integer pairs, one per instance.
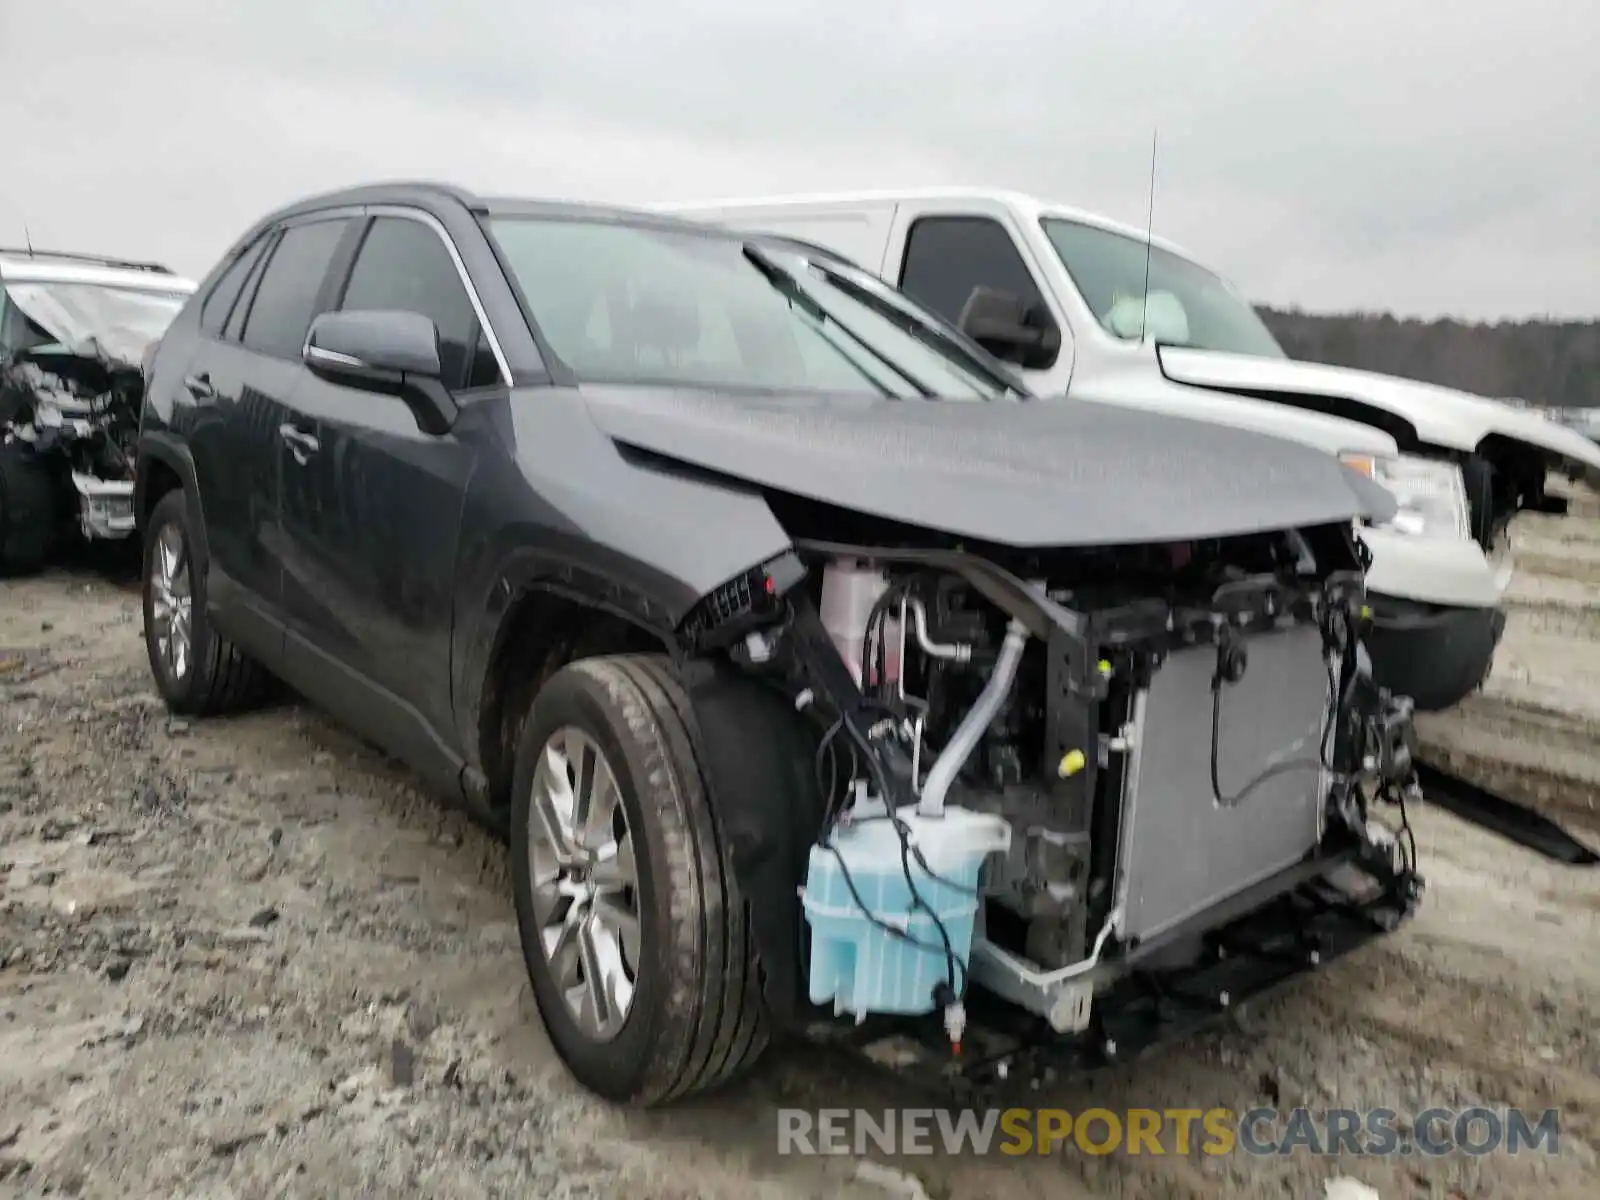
{"points": [[245, 367], [371, 508]]}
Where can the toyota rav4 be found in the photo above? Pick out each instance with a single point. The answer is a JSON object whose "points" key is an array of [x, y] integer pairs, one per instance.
{"points": [[822, 679]]}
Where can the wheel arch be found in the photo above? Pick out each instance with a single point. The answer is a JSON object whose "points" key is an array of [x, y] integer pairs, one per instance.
{"points": [[163, 464], [537, 621], [1502, 476], [541, 616]]}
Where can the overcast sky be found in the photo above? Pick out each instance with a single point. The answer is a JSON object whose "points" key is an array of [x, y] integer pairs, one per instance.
{"points": [[1412, 155]]}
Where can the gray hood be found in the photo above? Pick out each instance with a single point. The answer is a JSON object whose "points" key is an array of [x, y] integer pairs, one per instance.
{"points": [[1025, 474]]}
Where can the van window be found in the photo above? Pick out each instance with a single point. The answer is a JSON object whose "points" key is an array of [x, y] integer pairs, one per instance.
{"points": [[946, 257]]}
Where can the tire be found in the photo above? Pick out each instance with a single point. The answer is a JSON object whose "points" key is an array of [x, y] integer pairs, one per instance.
{"points": [[696, 1017], [30, 509], [1438, 656], [214, 676]]}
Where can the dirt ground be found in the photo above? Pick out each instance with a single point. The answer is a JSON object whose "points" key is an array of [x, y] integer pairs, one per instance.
{"points": [[249, 958]]}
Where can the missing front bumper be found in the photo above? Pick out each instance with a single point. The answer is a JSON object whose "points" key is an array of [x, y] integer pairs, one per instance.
{"points": [[1314, 914]]}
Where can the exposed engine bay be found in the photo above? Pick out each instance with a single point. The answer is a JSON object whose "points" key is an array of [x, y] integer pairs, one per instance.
{"points": [[86, 413], [1042, 774]]}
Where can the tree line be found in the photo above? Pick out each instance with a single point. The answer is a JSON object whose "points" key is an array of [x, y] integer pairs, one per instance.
{"points": [[1553, 363]]}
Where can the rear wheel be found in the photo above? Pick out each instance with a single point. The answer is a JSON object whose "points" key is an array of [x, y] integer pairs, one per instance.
{"points": [[197, 671], [634, 933]]}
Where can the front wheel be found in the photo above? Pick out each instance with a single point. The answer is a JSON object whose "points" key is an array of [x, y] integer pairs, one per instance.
{"points": [[1436, 655], [634, 933]]}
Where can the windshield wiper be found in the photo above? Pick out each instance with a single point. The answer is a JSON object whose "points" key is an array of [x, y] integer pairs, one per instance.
{"points": [[792, 289], [928, 333]]}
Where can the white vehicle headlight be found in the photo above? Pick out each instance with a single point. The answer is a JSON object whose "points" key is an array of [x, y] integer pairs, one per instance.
{"points": [[1430, 492]]}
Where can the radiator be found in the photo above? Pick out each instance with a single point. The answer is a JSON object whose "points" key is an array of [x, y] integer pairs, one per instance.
{"points": [[1180, 851]]}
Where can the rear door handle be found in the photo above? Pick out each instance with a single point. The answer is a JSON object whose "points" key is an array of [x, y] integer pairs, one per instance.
{"points": [[302, 445], [199, 386]]}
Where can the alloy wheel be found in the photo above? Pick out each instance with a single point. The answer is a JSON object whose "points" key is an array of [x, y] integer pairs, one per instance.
{"points": [[585, 882], [171, 601]]}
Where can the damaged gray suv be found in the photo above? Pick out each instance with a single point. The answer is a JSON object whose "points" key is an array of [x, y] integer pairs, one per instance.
{"points": [[757, 605]]}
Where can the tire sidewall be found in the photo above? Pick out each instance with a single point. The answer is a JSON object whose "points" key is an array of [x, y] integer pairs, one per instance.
{"points": [[616, 1069]]}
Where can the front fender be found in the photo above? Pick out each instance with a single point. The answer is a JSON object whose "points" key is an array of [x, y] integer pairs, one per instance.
{"points": [[758, 754], [566, 512], [168, 450]]}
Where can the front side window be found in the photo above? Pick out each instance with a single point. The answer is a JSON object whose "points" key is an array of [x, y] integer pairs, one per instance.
{"points": [[402, 264], [947, 257], [281, 309], [1188, 305], [637, 303]]}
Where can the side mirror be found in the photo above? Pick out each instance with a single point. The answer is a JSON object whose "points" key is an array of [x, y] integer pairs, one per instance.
{"points": [[379, 350], [1010, 329]]}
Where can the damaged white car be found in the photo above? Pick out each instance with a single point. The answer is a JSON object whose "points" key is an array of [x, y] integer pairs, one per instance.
{"points": [[74, 331]]}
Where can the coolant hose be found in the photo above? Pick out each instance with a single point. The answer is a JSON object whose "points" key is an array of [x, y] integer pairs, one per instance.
{"points": [[965, 739]]}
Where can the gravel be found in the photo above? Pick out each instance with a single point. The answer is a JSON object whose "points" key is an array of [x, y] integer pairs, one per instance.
{"points": [[249, 957]]}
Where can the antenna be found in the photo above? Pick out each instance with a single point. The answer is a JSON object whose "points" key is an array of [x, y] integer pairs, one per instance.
{"points": [[1149, 235], [28, 237]]}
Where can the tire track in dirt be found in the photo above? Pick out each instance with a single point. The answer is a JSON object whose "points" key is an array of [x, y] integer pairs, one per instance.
{"points": [[1533, 731]]}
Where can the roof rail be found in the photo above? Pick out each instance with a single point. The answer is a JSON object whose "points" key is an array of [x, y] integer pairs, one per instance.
{"points": [[99, 260], [387, 191]]}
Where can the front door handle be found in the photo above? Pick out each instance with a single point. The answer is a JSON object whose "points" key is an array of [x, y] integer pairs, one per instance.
{"points": [[302, 445], [199, 386]]}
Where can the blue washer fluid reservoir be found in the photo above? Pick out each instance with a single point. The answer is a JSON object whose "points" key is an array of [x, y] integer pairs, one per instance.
{"points": [[857, 965]]}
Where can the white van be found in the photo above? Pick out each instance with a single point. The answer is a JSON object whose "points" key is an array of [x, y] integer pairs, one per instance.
{"points": [[1061, 294]]}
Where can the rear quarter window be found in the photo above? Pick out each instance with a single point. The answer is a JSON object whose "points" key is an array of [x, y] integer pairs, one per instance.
{"points": [[219, 302]]}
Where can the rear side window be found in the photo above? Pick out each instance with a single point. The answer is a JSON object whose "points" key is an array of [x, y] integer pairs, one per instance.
{"points": [[234, 329], [946, 257], [214, 312], [281, 310], [403, 264]]}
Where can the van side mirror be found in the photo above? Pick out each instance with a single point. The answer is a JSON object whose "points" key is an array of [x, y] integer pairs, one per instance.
{"points": [[388, 351], [1010, 329]]}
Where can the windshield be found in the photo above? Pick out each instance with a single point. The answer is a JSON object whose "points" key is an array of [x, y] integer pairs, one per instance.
{"points": [[88, 319], [1188, 306], [622, 303]]}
